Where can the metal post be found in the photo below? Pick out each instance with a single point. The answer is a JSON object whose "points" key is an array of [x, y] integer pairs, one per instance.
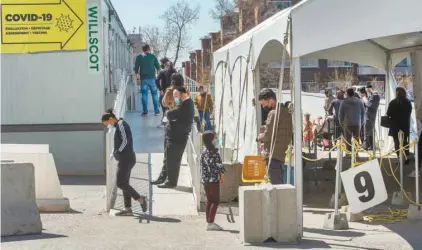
{"points": [[329, 131], [374, 148], [401, 139], [297, 104], [338, 171], [417, 171], [289, 164], [352, 141], [149, 188]]}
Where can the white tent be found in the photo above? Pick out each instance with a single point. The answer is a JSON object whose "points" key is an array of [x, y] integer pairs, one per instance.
{"points": [[378, 33]]}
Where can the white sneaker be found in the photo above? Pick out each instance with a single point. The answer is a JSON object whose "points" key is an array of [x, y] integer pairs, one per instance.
{"points": [[213, 227], [413, 174]]}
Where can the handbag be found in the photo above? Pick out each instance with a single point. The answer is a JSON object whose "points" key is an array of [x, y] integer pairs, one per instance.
{"points": [[385, 121]]}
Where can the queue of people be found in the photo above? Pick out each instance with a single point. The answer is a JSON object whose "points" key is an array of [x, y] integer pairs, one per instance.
{"points": [[169, 90]]}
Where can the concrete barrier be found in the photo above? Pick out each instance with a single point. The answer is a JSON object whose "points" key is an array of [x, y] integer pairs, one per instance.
{"points": [[268, 211], [19, 212], [25, 148], [48, 192]]}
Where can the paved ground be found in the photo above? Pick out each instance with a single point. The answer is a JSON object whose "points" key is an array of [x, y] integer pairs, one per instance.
{"points": [[89, 227], [175, 224]]}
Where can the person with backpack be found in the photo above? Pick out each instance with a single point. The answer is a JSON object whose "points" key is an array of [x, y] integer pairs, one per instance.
{"points": [[163, 83], [212, 174], [146, 65], [124, 154]]}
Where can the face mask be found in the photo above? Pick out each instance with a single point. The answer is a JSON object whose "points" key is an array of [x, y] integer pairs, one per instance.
{"points": [[109, 126], [217, 142], [177, 100]]}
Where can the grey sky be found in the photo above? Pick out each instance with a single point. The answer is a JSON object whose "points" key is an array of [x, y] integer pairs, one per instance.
{"points": [[134, 13]]}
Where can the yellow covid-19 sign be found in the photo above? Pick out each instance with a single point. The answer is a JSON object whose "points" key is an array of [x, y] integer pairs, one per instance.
{"points": [[29, 26]]}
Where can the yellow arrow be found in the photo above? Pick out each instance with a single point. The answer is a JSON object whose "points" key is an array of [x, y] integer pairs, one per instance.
{"points": [[39, 23]]}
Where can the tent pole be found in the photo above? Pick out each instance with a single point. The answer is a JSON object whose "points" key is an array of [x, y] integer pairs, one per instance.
{"points": [[297, 105]]}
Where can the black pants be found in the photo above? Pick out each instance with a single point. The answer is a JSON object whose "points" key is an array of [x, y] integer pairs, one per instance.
{"points": [[124, 168], [173, 153], [397, 143]]}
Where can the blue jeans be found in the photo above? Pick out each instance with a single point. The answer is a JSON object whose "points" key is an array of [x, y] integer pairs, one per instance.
{"points": [[292, 175], [205, 115], [147, 84]]}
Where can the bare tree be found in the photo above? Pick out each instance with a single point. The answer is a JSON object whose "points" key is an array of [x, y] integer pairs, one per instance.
{"points": [[221, 8], [153, 36], [178, 18]]}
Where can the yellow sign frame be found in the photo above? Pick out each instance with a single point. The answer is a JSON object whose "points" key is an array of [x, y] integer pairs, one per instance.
{"points": [[31, 26]]}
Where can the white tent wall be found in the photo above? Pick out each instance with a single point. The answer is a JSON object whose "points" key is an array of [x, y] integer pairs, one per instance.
{"points": [[327, 28], [416, 58]]}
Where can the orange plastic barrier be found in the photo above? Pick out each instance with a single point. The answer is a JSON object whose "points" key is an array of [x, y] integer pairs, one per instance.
{"points": [[253, 169]]}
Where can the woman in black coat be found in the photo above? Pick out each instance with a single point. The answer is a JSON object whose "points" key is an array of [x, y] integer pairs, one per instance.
{"points": [[399, 112]]}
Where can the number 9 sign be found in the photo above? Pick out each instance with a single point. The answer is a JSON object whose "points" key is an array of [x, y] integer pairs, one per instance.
{"points": [[364, 186]]}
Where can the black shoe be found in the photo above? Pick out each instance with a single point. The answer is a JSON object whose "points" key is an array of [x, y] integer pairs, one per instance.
{"points": [[167, 185], [144, 204], [159, 181]]}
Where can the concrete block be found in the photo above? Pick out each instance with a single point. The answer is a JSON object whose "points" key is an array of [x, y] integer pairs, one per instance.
{"points": [[342, 201], [25, 148], [19, 212], [232, 180], [336, 221], [414, 212], [399, 199], [268, 211], [48, 191], [351, 217]]}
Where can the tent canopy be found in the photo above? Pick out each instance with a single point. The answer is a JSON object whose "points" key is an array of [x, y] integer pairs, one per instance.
{"points": [[358, 31]]}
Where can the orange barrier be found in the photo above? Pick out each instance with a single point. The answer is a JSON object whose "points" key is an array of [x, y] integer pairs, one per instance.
{"points": [[253, 169]]}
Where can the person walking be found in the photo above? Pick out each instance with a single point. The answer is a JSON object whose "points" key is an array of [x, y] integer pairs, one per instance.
{"points": [[333, 110], [124, 154], [212, 174], [177, 134], [372, 104], [328, 99], [364, 98], [351, 115], [204, 104], [277, 134], [399, 112], [164, 82], [146, 64]]}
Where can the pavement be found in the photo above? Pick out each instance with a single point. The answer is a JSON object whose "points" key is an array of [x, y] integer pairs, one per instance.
{"points": [[174, 222], [88, 226]]}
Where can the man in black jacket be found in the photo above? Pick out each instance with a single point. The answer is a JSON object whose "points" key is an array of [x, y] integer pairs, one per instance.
{"points": [[177, 134]]}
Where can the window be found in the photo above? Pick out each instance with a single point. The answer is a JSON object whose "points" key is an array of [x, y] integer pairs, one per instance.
{"points": [[280, 4], [404, 63], [309, 63], [338, 64], [277, 65]]}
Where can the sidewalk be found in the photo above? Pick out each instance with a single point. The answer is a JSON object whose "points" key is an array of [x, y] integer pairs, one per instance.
{"points": [[90, 227]]}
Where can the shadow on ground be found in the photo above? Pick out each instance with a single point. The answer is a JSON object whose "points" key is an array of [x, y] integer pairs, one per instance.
{"points": [[145, 218], [31, 237], [83, 180]]}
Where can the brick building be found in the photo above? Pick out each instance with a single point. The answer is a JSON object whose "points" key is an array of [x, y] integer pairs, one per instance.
{"points": [[317, 74]]}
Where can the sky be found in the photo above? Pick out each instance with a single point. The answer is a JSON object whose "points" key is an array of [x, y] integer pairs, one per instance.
{"points": [[135, 13]]}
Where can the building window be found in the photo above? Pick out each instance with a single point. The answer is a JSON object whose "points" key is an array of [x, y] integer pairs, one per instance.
{"points": [[338, 64], [277, 65], [280, 4], [404, 63], [309, 63]]}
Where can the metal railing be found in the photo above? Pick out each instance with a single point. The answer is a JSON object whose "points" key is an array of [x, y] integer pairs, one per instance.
{"points": [[120, 108]]}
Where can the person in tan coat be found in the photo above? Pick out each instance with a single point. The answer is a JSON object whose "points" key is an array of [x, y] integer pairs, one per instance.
{"points": [[280, 136], [204, 104]]}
